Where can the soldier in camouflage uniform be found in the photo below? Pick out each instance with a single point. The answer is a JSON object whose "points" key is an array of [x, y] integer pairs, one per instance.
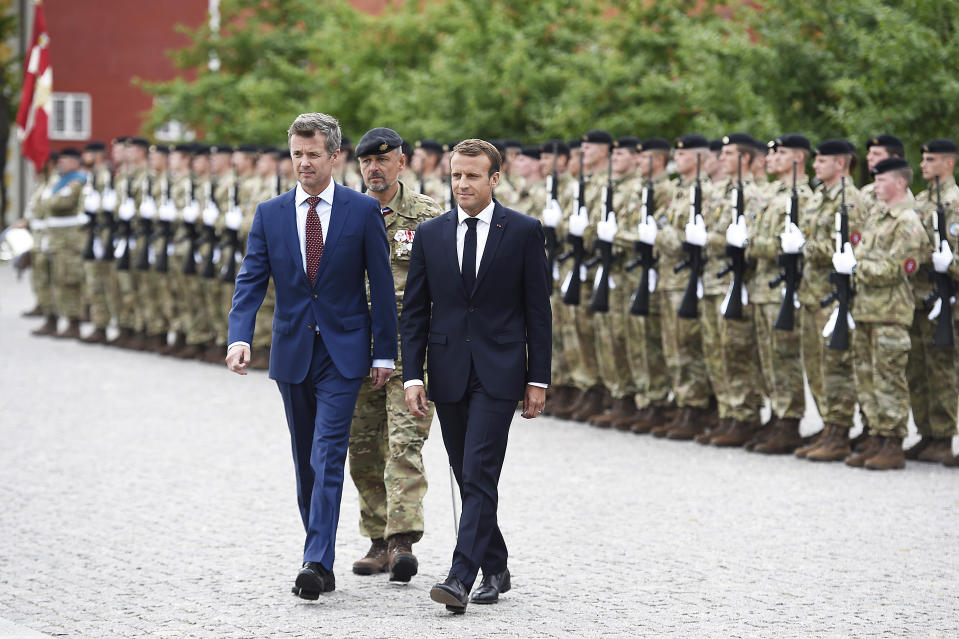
{"points": [[828, 371], [878, 148], [130, 185], [386, 441], [222, 182], [931, 371], [155, 297], [96, 269], [531, 198], [179, 281], [426, 165], [885, 260]]}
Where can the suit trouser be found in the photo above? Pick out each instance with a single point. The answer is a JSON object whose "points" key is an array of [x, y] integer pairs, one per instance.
{"points": [[318, 412], [475, 432]]}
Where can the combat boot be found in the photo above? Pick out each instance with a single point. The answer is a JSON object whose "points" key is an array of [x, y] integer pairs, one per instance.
{"points": [[36, 311], [939, 451], [558, 399], [812, 442], [761, 435], [72, 331], [631, 414], [376, 560], [49, 327], [952, 463], [155, 343], [782, 439], [260, 360], [137, 341], [403, 564], [914, 451], [738, 433], [645, 421], [576, 399], [689, 423], [214, 354], [192, 351], [123, 338], [592, 405], [619, 410], [98, 336], [889, 457], [721, 427], [661, 418], [178, 344], [869, 447], [833, 447]]}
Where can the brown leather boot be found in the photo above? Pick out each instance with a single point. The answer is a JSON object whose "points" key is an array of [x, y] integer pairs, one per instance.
{"points": [[619, 410], [559, 399], [833, 447], [738, 433], [123, 338], [952, 463], [192, 351], [155, 343], [576, 399], [631, 414], [869, 447], [813, 442], [889, 457], [592, 405], [260, 359], [645, 421], [137, 341], [376, 559], [98, 336], [403, 564], [762, 434], [938, 451], [36, 311], [72, 331], [178, 344], [689, 423], [49, 327], [215, 353], [721, 427], [918, 448], [661, 419], [782, 440]]}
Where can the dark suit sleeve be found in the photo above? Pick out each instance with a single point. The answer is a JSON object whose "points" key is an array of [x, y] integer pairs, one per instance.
{"points": [[539, 320], [251, 283], [415, 321], [382, 291]]}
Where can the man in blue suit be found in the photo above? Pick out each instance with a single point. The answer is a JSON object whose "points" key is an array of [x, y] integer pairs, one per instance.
{"points": [[320, 242], [476, 312]]}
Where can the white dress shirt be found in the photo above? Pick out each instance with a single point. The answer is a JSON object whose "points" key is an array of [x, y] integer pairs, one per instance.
{"points": [[485, 218], [323, 209]]}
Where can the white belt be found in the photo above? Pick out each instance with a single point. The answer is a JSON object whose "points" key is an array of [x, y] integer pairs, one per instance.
{"points": [[61, 222]]}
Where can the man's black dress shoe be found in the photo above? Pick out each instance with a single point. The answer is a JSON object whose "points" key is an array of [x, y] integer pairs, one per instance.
{"points": [[312, 580], [453, 593], [490, 588]]}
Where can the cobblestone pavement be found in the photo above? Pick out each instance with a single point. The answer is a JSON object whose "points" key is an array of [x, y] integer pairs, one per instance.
{"points": [[148, 497]]}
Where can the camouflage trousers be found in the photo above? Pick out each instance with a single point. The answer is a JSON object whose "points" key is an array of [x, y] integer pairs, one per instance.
{"points": [[559, 373], [829, 372], [710, 320], [743, 386], [150, 301], [610, 333], [682, 346], [780, 356], [263, 330], [66, 246], [931, 374], [579, 341], [125, 292], [102, 306], [881, 353], [41, 274], [386, 460]]}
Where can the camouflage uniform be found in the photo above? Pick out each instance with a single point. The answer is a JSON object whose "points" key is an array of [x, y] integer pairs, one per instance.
{"points": [[213, 286], [563, 319], [97, 267], [130, 185], [40, 258], [386, 441], [65, 221], [508, 190], [433, 186], [184, 286], [888, 254], [152, 292]]}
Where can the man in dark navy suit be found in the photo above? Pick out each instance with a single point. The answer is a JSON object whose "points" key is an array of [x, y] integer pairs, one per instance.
{"points": [[320, 242], [476, 312]]}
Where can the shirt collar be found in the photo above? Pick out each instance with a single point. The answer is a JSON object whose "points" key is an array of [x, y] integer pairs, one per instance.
{"points": [[326, 195], [485, 215]]}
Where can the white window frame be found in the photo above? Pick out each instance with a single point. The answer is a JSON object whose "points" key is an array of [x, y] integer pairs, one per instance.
{"points": [[71, 129]]}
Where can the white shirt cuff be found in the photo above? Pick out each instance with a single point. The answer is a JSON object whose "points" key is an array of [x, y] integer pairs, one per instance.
{"points": [[537, 384], [230, 347], [412, 382], [384, 363]]}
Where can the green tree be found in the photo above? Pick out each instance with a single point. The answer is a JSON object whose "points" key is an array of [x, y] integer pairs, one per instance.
{"points": [[9, 90]]}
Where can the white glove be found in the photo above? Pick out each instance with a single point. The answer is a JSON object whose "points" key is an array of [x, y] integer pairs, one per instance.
{"points": [[148, 208], [552, 214], [792, 240], [736, 233], [844, 262], [606, 229], [696, 232], [648, 231], [210, 213], [127, 210], [578, 222], [191, 212], [233, 218], [942, 258], [91, 202], [167, 211], [109, 200]]}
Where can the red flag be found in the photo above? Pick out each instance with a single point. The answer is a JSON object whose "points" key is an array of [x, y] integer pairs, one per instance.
{"points": [[36, 99]]}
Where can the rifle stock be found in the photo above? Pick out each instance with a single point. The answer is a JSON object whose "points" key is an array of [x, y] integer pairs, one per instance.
{"points": [[792, 271]]}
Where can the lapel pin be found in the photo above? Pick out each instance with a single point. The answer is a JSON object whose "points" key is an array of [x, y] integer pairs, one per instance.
{"points": [[499, 226]]}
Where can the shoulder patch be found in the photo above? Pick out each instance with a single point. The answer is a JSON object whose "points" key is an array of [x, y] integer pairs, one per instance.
{"points": [[855, 238], [909, 266]]}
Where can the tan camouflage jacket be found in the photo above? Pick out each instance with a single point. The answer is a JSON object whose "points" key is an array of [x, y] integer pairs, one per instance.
{"points": [[718, 215], [925, 207], [672, 221], [764, 245], [408, 210]]}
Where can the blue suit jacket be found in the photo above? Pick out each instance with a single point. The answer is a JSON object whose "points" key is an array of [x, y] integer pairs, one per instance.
{"points": [[336, 303], [503, 325]]}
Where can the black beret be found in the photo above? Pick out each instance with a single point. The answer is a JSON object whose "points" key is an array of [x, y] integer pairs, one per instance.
{"points": [[513, 144], [598, 136], [499, 145], [791, 141], [574, 144], [281, 152], [140, 142], [692, 141], [429, 145], [716, 145], [183, 147], [70, 152], [201, 149], [448, 147], [742, 138], [248, 148], [889, 164], [653, 144], [835, 147], [561, 147], [630, 142], [886, 140], [345, 141], [940, 145], [530, 150], [378, 141], [96, 145], [160, 148], [221, 148], [121, 139]]}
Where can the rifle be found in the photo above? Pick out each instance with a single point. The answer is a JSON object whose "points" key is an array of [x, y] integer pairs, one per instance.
{"points": [[165, 232], [450, 200], [577, 250], [88, 253], [791, 274], [110, 225], [736, 255], [599, 303], [689, 307], [209, 266], [842, 283], [945, 288], [146, 232], [231, 241], [645, 258], [552, 242], [189, 260], [126, 234]]}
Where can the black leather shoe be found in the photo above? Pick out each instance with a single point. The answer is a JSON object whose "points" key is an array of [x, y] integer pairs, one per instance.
{"points": [[453, 593], [312, 580], [490, 588]]}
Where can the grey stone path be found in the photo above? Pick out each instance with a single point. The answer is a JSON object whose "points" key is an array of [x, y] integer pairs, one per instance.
{"points": [[150, 497]]}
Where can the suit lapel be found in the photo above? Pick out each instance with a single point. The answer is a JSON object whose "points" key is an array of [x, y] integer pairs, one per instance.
{"points": [[448, 242], [288, 215], [496, 228], [338, 217]]}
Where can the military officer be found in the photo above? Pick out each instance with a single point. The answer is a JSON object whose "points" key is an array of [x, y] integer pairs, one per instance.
{"points": [[35, 215]]}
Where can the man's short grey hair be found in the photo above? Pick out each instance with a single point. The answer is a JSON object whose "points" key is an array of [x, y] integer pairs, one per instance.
{"points": [[309, 124]]}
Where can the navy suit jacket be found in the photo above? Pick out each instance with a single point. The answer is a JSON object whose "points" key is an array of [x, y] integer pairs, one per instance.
{"points": [[504, 325], [336, 304]]}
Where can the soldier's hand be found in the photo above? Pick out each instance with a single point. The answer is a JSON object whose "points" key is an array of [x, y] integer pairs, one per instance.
{"points": [[416, 401], [942, 258], [238, 358], [696, 232], [552, 214], [533, 401], [379, 376], [578, 222], [606, 229]]}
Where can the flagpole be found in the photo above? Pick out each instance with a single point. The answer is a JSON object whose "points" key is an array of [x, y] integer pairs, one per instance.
{"points": [[26, 18]]}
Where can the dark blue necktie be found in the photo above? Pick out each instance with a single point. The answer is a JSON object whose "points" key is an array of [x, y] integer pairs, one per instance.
{"points": [[469, 255]]}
